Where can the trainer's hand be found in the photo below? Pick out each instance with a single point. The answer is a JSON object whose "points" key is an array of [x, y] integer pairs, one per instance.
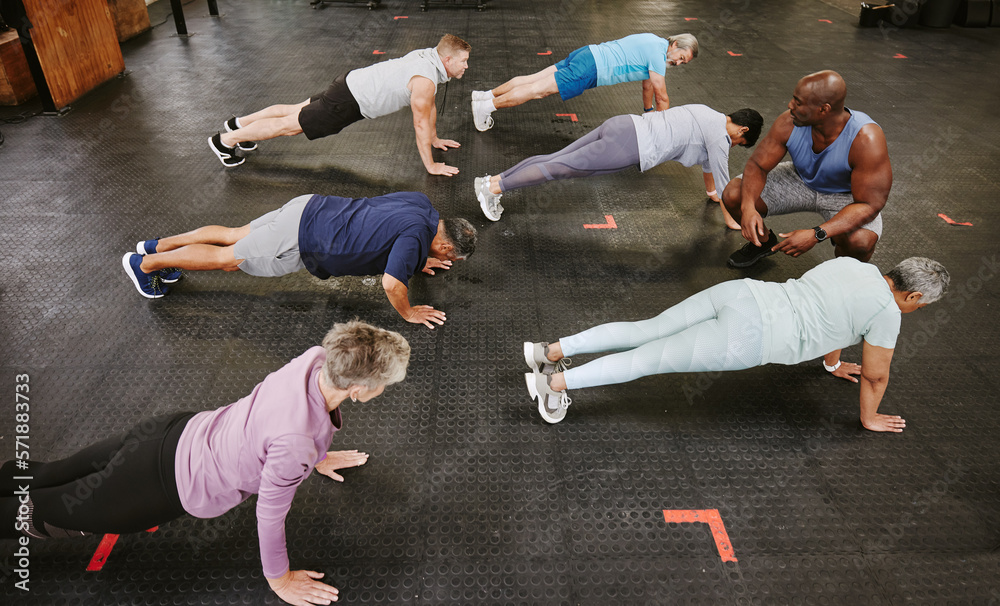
{"points": [[445, 144], [440, 168], [435, 263], [298, 587], [753, 227], [425, 314], [893, 423], [846, 369], [796, 242], [340, 459]]}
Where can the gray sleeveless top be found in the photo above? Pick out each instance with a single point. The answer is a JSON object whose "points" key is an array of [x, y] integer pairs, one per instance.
{"points": [[380, 89]]}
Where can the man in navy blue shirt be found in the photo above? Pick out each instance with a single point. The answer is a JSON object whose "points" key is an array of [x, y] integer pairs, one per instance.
{"points": [[395, 235]]}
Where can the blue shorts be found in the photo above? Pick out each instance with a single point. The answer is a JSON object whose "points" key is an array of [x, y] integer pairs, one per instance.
{"points": [[576, 73]]}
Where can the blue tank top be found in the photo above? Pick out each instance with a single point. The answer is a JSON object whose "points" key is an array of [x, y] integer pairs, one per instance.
{"points": [[828, 171]]}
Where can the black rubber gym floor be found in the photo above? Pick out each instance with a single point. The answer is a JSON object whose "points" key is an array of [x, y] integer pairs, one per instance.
{"points": [[469, 497]]}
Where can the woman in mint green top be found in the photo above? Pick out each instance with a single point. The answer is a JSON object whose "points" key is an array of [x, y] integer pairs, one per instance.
{"points": [[746, 323]]}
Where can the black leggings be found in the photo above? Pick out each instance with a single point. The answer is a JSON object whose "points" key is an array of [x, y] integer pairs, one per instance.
{"points": [[122, 484]]}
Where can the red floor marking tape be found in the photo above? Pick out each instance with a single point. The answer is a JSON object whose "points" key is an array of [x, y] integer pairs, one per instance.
{"points": [[546, 53], [609, 225], [378, 52], [690, 18], [572, 117], [951, 221], [732, 54], [153, 529], [825, 20], [714, 521], [900, 56], [394, 18], [102, 553]]}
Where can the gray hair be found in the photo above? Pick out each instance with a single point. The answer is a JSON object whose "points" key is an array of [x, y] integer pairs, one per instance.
{"points": [[462, 235], [923, 275], [684, 42], [361, 354]]}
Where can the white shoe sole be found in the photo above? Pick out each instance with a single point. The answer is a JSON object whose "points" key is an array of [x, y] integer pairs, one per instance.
{"points": [[529, 356], [140, 248], [131, 276]]}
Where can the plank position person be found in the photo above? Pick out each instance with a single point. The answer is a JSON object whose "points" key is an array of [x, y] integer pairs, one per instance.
{"points": [[643, 57], [204, 464], [688, 134], [394, 235], [745, 323], [839, 168], [369, 92]]}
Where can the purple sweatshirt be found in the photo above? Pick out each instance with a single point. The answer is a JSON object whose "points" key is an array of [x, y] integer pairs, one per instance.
{"points": [[266, 443]]}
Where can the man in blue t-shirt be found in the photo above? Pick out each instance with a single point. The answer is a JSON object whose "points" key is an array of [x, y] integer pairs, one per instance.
{"points": [[644, 57], [395, 235]]}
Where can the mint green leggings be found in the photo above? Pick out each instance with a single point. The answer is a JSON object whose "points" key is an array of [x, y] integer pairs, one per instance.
{"points": [[717, 329]]}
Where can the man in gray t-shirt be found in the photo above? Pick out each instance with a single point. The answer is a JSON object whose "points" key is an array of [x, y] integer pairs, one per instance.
{"points": [[688, 134], [369, 92]]}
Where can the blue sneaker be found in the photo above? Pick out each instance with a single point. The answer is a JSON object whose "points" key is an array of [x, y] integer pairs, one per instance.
{"points": [[146, 247], [148, 285], [169, 275]]}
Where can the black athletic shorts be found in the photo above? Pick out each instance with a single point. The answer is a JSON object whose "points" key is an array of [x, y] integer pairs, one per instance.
{"points": [[330, 112]]}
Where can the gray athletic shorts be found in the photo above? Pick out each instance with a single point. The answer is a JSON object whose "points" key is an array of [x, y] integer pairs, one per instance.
{"points": [[271, 248], [785, 193]]}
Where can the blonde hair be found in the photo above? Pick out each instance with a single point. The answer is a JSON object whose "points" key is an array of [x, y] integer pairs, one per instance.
{"points": [[450, 45], [358, 353]]}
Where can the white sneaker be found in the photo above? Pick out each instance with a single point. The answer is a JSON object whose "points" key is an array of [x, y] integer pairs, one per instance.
{"points": [[481, 115], [482, 95], [488, 201], [552, 405]]}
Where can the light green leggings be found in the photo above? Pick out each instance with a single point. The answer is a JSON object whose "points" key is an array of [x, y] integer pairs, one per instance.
{"points": [[717, 329]]}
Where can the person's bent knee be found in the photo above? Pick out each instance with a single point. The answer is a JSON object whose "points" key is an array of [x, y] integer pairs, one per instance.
{"points": [[732, 195], [859, 244]]}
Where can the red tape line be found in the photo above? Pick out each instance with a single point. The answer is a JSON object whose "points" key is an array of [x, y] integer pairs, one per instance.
{"points": [[102, 553], [546, 53], [609, 225], [951, 221], [714, 521], [572, 117]]}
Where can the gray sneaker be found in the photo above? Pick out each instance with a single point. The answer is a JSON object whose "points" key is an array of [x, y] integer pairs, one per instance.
{"points": [[552, 405], [488, 201], [534, 356]]}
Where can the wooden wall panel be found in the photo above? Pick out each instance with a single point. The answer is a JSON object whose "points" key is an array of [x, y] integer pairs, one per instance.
{"points": [[16, 85], [77, 45]]}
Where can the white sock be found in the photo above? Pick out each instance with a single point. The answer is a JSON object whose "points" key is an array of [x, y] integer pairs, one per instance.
{"points": [[238, 125], [490, 106]]}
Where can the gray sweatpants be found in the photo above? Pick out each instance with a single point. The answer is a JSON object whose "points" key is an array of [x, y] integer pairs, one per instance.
{"points": [[610, 148]]}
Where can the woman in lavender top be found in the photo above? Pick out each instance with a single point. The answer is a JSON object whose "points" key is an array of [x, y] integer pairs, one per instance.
{"points": [[207, 463]]}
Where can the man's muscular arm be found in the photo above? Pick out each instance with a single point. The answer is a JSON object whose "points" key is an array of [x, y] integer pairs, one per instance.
{"points": [[871, 180], [425, 126], [769, 152]]}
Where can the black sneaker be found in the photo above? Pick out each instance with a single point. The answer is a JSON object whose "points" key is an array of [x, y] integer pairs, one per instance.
{"points": [[231, 125], [750, 254], [227, 155]]}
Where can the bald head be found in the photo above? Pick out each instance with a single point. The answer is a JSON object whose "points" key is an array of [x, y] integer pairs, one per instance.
{"points": [[824, 87]]}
